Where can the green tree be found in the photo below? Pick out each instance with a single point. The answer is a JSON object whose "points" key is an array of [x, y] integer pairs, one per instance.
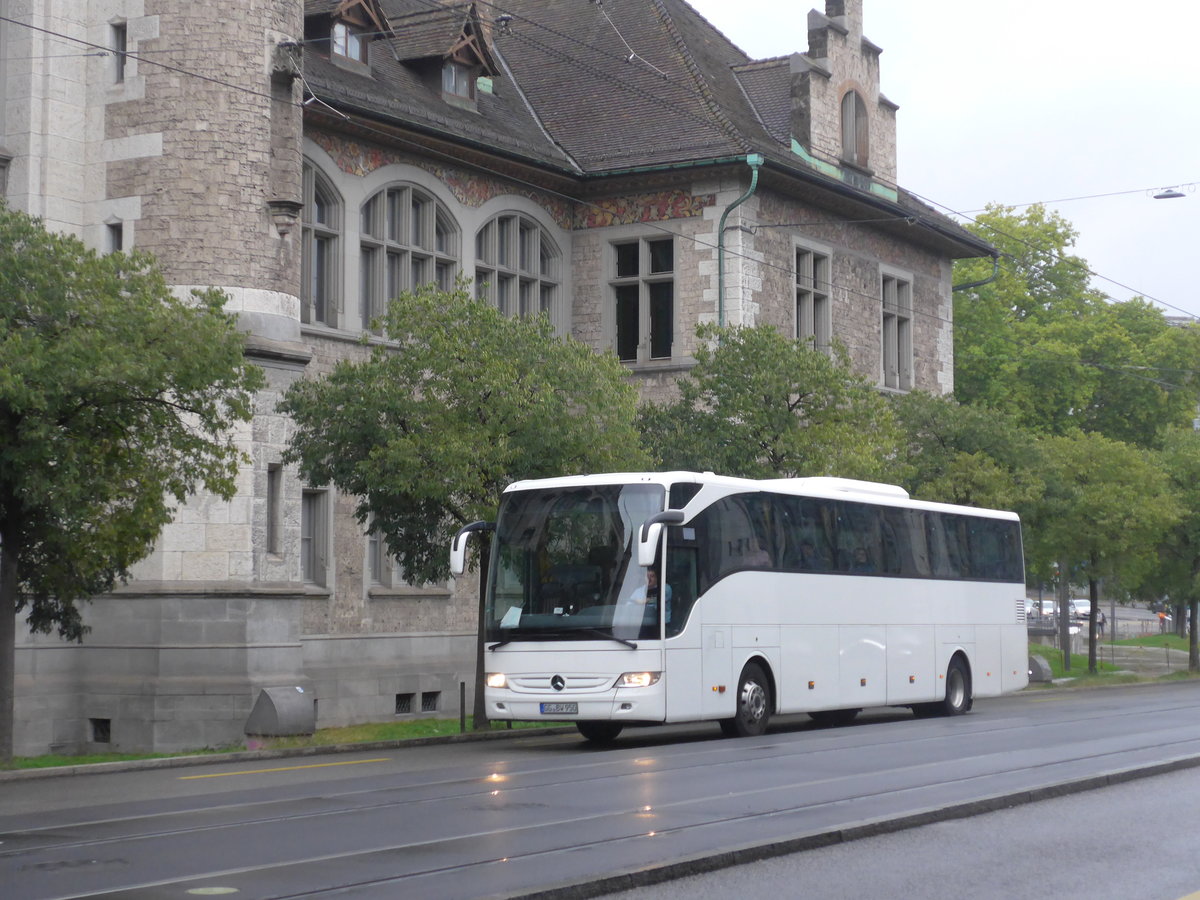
{"points": [[1107, 507], [117, 400], [1038, 342], [967, 454], [1146, 378], [1178, 572], [760, 405], [429, 429]]}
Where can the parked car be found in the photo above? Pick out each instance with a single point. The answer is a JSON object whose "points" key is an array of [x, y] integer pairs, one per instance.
{"points": [[1080, 609], [1040, 610]]}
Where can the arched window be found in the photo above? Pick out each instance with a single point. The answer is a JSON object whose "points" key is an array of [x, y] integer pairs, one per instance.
{"points": [[855, 129], [321, 228], [518, 267], [408, 239]]}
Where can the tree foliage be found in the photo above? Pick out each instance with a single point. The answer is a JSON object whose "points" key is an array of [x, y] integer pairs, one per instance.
{"points": [[967, 454], [760, 405], [429, 429], [1106, 508], [117, 399], [1177, 574], [1040, 343]]}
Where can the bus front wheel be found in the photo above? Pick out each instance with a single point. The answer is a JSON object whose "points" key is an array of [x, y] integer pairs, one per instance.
{"points": [[599, 732], [753, 704]]}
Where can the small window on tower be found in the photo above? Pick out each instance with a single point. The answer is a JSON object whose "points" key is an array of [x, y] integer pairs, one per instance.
{"points": [[120, 43]]}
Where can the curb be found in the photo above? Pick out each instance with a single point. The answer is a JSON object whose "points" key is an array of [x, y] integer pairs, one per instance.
{"points": [[712, 862], [179, 762]]}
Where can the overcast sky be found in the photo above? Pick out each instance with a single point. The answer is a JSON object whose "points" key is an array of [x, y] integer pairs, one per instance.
{"points": [[1016, 103]]}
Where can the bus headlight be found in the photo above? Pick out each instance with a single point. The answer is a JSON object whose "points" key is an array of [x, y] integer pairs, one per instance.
{"points": [[638, 679], [496, 680]]}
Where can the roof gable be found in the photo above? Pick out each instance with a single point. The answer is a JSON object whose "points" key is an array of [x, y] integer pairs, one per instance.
{"points": [[454, 31], [365, 13]]}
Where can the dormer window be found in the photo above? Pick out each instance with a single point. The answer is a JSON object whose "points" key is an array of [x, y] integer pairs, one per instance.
{"points": [[457, 80], [349, 41]]}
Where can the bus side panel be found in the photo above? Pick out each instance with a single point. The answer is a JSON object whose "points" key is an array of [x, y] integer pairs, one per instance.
{"points": [[911, 670], [718, 687], [1015, 641], [987, 669], [683, 673], [862, 672], [950, 640], [808, 656]]}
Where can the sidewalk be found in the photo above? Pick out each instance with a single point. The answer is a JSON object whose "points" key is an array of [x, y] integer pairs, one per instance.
{"points": [[1148, 661]]}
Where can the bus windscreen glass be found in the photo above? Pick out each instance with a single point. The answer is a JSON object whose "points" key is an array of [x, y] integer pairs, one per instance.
{"points": [[563, 565]]}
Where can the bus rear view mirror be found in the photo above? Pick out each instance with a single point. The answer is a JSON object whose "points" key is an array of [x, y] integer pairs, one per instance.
{"points": [[650, 535], [458, 546]]}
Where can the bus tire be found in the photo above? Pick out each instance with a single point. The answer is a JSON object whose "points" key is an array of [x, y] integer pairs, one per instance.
{"points": [[599, 732], [753, 704], [833, 716], [958, 689]]}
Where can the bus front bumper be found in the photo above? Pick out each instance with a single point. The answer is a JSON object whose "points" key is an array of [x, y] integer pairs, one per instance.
{"points": [[621, 704]]}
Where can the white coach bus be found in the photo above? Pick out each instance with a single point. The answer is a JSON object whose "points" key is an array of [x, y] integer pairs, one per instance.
{"points": [[814, 595]]}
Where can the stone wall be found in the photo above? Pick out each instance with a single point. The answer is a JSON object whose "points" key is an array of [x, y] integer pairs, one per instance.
{"points": [[202, 174]]}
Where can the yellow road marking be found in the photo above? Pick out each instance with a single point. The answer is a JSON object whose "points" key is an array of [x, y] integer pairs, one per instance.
{"points": [[356, 762]]}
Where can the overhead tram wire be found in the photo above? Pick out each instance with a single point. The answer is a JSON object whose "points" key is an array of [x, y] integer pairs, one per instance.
{"points": [[826, 153], [140, 58], [435, 6], [1061, 257], [577, 200], [448, 157]]}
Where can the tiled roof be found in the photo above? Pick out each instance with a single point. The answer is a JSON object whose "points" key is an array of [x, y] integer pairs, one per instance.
{"points": [[595, 89], [430, 32], [767, 85]]}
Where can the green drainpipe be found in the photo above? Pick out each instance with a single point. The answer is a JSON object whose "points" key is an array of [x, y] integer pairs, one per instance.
{"points": [[753, 160]]}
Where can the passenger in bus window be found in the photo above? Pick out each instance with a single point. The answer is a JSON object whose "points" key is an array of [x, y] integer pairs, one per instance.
{"points": [[862, 562], [812, 559]]}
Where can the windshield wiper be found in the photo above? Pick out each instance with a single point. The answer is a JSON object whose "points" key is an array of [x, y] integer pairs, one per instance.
{"points": [[608, 637]]}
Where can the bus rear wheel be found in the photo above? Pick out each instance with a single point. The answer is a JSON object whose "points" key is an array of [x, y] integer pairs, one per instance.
{"points": [[599, 732], [958, 689], [958, 692], [753, 704]]}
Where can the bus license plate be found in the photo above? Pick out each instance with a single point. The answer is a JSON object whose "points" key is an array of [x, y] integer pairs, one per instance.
{"points": [[560, 709]]}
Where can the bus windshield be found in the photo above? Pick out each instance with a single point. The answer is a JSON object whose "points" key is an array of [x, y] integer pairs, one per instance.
{"points": [[563, 566]]}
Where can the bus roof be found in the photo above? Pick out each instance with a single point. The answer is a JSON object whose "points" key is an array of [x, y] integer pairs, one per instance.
{"points": [[813, 486]]}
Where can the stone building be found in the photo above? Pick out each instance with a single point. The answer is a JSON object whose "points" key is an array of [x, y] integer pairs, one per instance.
{"points": [[311, 159]]}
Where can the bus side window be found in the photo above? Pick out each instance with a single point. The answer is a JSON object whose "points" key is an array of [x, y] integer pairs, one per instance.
{"points": [[891, 544], [859, 541]]}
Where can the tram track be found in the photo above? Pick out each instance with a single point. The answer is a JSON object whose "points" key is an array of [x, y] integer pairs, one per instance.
{"points": [[524, 835]]}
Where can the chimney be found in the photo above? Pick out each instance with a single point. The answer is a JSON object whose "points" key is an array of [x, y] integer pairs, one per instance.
{"points": [[846, 13]]}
